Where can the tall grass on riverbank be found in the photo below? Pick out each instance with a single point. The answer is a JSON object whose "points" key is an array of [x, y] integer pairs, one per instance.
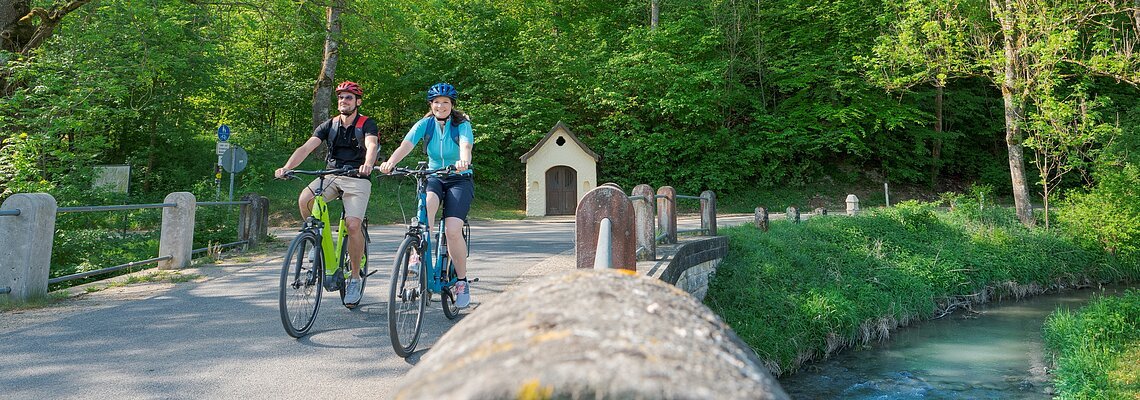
{"points": [[1096, 350], [802, 291]]}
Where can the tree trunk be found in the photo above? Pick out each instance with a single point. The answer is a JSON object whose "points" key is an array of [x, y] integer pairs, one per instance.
{"points": [[23, 29], [936, 146], [151, 158], [1011, 87], [323, 93], [654, 13]]}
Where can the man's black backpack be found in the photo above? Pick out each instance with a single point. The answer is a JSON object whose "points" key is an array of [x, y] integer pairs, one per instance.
{"points": [[334, 127]]}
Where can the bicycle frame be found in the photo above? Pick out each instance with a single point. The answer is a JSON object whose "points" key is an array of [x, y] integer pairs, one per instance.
{"points": [[320, 213], [430, 252]]}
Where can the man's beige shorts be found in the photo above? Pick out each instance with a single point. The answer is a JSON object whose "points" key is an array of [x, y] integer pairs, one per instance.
{"points": [[354, 193]]}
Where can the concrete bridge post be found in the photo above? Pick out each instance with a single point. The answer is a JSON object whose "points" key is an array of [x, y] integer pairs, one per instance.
{"points": [[852, 205], [761, 218], [667, 213], [600, 203], [643, 216], [177, 236], [25, 256], [792, 214], [589, 334], [708, 212]]}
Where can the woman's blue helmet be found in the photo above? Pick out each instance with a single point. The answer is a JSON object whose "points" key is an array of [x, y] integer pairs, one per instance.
{"points": [[442, 89]]}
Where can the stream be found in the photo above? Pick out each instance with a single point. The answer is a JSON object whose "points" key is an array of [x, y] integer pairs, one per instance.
{"points": [[994, 352]]}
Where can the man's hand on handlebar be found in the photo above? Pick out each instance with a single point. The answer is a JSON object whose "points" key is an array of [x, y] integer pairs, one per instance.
{"points": [[364, 171], [282, 173]]}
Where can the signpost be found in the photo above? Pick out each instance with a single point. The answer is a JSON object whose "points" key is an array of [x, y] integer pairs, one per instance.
{"points": [[223, 145], [233, 161]]}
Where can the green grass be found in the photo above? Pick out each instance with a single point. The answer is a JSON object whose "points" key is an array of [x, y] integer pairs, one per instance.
{"points": [[802, 291], [52, 298], [1097, 348]]}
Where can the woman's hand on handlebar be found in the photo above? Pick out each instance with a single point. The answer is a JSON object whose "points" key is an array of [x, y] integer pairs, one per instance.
{"points": [[386, 167], [462, 165]]}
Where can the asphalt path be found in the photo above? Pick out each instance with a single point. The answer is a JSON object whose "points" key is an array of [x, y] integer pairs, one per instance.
{"points": [[219, 336]]}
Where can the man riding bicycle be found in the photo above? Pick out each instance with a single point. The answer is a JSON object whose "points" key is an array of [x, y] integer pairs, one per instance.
{"points": [[448, 140], [352, 142]]}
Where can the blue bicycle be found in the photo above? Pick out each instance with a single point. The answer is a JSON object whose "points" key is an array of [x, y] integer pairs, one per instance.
{"points": [[421, 268]]}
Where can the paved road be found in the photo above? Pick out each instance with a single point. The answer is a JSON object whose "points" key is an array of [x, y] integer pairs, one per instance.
{"points": [[220, 336]]}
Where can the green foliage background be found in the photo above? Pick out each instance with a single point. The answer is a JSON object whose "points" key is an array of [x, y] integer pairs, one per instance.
{"points": [[744, 99], [741, 95]]}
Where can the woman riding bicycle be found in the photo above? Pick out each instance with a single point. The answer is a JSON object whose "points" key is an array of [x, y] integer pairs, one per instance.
{"points": [[448, 140]]}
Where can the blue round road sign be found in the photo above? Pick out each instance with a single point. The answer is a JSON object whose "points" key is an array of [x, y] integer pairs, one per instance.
{"points": [[224, 132]]}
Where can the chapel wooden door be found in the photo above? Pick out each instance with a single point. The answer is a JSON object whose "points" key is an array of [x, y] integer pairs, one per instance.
{"points": [[561, 191]]}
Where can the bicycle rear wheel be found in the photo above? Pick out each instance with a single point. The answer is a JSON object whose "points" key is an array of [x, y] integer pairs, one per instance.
{"points": [[446, 297], [407, 297], [300, 290]]}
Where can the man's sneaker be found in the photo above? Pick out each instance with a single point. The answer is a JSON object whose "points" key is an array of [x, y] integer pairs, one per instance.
{"points": [[352, 292], [462, 292]]}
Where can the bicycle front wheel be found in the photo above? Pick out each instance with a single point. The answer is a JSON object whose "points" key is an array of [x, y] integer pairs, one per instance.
{"points": [[300, 291], [407, 297]]}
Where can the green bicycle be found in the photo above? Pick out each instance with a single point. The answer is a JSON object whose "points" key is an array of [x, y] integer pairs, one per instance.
{"points": [[303, 274]]}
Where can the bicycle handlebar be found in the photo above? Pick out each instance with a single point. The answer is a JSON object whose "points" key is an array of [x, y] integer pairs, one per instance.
{"points": [[342, 171], [401, 171]]}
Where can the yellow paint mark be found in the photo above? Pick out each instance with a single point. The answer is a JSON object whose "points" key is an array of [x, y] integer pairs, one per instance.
{"points": [[533, 390], [552, 335]]}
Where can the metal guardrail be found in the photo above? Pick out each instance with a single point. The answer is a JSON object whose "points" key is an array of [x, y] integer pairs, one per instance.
{"points": [[222, 203], [220, 246], [11, 213], [138, 206], [82, 275], [698, 230], [113, 208], [143, 262]]}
